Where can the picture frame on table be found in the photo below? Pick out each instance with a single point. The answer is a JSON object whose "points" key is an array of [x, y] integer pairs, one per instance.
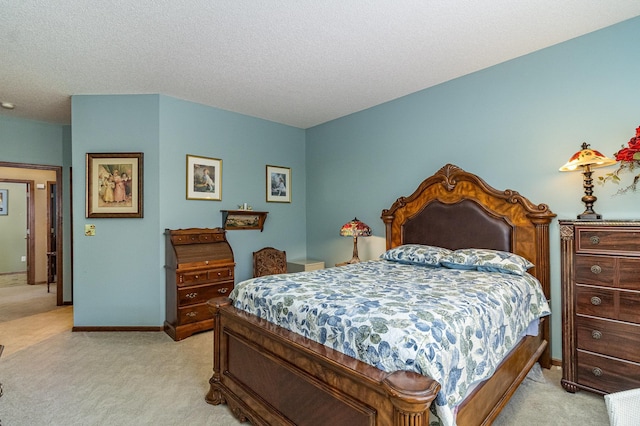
{"points": [[278, 184], [114, 185], [4, 202], [204, 178]]}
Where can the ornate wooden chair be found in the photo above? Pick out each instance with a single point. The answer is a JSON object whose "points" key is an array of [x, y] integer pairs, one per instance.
{"points": [[269, 261]]}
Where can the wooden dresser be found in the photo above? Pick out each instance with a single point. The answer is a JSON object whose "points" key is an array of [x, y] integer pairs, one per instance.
{"points": [[199, 266], [600, 271]]}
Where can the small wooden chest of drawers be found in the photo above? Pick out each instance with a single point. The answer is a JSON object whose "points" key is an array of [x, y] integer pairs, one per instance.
{"points": [[199, 266], [600, 269]]}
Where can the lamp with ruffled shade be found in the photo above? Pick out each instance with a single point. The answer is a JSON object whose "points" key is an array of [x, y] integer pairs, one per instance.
{"points": [[585, 160], [355, 229]]}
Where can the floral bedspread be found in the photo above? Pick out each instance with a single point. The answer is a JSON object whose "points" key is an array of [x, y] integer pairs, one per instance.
{"points": [[453, 325]]}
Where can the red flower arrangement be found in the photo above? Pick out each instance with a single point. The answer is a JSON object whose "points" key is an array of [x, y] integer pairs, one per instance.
{"points": [[629, 158]]}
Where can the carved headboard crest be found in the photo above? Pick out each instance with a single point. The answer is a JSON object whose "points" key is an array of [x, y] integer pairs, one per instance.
{"points": [[448, 173]]}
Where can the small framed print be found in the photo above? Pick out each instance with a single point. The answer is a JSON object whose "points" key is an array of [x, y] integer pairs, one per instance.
{"points": [[114, 185], [278, 184], [4, 202], [204, 178]]}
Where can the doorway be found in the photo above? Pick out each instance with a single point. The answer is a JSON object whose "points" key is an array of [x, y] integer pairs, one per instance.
{"points": [[46, 227], [52, 234]]}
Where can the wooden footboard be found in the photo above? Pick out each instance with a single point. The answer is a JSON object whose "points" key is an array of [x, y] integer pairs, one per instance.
{"points": [[270, 376]]}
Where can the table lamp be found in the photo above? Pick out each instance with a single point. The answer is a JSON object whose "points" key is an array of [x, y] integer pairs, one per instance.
{"points": [[585, 160], [355, 229]]}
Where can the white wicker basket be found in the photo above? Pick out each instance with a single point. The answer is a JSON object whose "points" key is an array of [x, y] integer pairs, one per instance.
{"points": [[623, 407]]}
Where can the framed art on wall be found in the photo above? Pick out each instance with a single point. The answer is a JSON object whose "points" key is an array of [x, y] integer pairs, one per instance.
{"points": [[114, 185], [278, 184], [204, 178], [4, 202]]}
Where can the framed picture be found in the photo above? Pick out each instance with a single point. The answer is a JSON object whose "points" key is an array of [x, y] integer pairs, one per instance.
{"points": [[204, 178], [278, 184], [4, 202], [114, 185]]}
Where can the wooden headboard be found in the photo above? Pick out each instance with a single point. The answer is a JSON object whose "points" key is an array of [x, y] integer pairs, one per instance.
{"points": [[456, 209]]}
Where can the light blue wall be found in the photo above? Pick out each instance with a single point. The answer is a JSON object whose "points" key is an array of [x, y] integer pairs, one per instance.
{"points": [[117, 276], [29, 141], [245, 145], [119, 273], [513, 124], [35, 142]]}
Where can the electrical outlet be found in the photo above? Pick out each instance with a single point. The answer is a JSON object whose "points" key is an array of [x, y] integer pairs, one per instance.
{"points": [[23, 259]]}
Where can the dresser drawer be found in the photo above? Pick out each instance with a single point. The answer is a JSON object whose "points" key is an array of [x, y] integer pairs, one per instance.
{"points": [[598, 270], [613, 338], [594, 301], [203, 237], [609, 240], [606, 373], [205, 263], [221, 274], [194, 313], [629, 306], [192, 278], [202, 293], [204, 276], [629, 273]]}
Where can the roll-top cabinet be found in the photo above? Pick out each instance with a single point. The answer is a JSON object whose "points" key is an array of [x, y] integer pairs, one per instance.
{"points": [[600, 270], [199, 266]]}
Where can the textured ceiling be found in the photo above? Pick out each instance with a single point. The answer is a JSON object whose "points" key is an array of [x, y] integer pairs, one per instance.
{"points": [[297, 62]]}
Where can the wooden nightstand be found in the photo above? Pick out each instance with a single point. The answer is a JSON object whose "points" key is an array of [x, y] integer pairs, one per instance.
{"points": [[301, 265]]}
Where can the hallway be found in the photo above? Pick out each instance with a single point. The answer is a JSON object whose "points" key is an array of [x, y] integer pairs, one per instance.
{"points": [[28, 314]]}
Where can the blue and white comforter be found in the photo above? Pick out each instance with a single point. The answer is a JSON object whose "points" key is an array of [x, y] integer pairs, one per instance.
{"points": [[452, 325]]}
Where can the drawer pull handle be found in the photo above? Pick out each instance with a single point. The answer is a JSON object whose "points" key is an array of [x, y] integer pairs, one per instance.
{"points": [[191, 295], [596, 269], [596, 334], [219, 273], [223, 290], [197, 276], [191, 314], [594, 240], [595, 300], [597, 372], [206, 262]]}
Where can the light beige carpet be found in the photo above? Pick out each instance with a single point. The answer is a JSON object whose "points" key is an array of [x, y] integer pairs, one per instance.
{"points": [[546, 403], [134, 378], [110, 378], [24, 300], [10, 280]]}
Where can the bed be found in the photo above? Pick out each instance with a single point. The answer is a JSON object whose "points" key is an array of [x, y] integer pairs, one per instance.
{"points": [[269, 375]]}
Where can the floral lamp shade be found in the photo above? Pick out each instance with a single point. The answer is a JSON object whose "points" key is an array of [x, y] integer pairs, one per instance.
{"points": [[587, 157], [585, 160], [355, 228]]}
